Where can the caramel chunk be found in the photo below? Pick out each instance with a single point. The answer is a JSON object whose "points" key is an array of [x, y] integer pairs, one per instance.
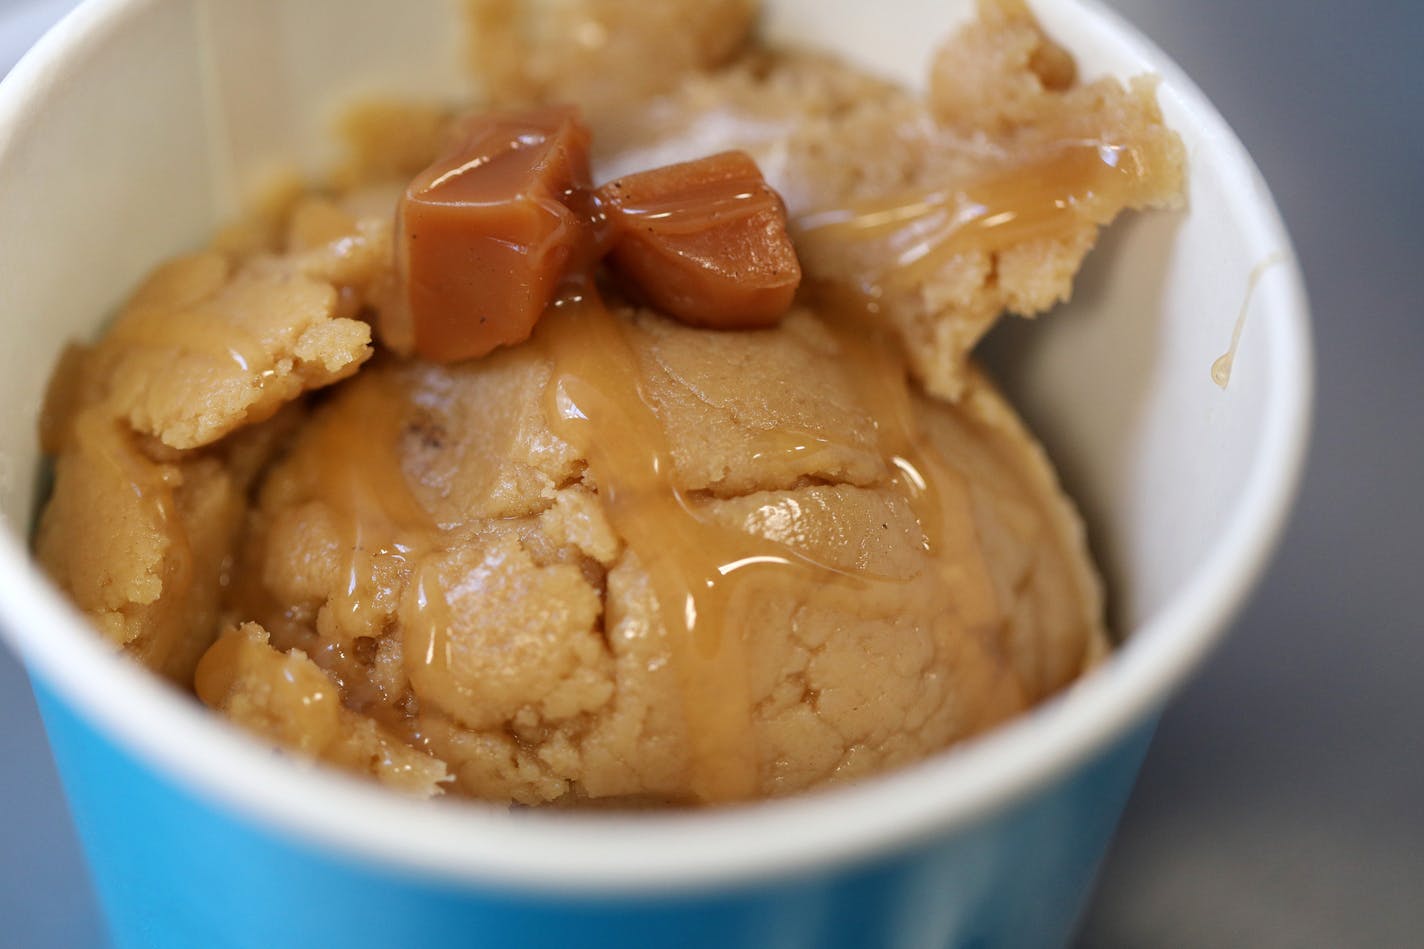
{"points": [[486, 233], [704, 241]]}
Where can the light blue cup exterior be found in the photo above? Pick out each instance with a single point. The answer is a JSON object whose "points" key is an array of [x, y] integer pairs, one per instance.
{"points": [[199, 836], [1018, 879]]}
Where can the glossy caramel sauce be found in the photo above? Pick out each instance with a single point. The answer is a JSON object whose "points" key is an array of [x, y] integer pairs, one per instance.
{"points": [[707, 576], [1075, 183], [1221, 367], [200, 332], [938, 493], [157, 485], [359, 474], [300, 689], [594, 402], [352, 463]]}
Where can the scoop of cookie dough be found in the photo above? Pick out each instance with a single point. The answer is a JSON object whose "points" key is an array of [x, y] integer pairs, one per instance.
{"points": [[626, 562], [445, 556]]}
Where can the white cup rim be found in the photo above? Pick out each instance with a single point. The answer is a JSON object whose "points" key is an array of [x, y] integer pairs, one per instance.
{"points": [[600, 853]]}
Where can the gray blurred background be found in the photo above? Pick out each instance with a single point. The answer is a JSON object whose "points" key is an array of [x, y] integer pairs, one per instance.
{"points": [[1282, 804]]}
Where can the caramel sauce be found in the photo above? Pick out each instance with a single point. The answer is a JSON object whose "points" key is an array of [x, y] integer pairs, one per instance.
{"points": [[593, 402], [707, 577], [700, 570], [218, 671], [1221, 368], [360, 476], [1078, 182], [426, 621], [353, 463], [938, 493], [310, 707], [156, 485], [197, 332]]}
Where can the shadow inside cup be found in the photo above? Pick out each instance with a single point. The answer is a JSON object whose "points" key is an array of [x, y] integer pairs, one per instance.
{"points": [[1080, 376]]}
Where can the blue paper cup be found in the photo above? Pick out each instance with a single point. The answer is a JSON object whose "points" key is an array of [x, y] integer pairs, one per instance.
{"points": [[127, 134]]}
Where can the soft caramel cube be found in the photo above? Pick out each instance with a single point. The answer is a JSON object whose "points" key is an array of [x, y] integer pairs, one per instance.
{"points": [[485, 234], [704, 241]]}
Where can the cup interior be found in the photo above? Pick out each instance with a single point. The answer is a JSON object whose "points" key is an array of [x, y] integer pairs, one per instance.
{"points": [[137, 127]]}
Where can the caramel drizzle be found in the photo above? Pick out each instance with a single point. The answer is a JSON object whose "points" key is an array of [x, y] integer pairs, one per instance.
{"points": [[699, 570], [1079, 181], [359, 474], [594, 402], [197, 332], [706, 577], [938, 493]]}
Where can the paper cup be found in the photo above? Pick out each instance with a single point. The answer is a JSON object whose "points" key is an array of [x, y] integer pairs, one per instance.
{"points": [[129, 133]]}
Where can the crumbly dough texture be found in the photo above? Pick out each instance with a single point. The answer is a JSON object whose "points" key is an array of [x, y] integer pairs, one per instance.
{"points": [[193, 489], [290, 699], [183, 399]]}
